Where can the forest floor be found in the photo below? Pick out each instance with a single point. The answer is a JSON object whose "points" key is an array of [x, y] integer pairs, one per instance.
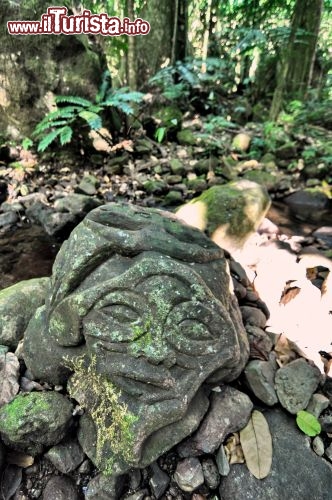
{"points": [[287, 260]]}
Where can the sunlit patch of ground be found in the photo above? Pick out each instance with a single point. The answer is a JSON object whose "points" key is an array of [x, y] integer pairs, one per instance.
{"points": [[299, 309]]}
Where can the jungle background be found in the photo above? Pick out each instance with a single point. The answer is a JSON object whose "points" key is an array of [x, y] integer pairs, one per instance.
{"points": [[216, 91]]}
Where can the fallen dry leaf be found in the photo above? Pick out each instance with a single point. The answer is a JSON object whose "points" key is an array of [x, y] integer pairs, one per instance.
{"points": [[9, 374], [326, 358], [256, 442], [19, 459], [287, 351], [289, 293], [233, 449], [127, 145]]}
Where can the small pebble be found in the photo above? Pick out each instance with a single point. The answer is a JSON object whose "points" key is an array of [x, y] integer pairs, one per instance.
{"points": [[317, 404], [318, 446], [189, 474], [211, 474]]}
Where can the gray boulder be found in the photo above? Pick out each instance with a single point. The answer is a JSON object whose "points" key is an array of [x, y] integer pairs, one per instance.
{"points": [[77, 204], [295, 383], [297, 472], [229, 412], [141, 305], [18, 304]]}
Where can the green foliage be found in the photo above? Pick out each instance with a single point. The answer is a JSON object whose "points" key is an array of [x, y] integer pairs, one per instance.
{"points": [[27, 143], [75, 110], [160, 134], [217, 124], [182, 80], [308, 423]]}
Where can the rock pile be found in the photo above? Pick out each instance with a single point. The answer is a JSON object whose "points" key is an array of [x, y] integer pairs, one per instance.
{"points": [[46, 454]]}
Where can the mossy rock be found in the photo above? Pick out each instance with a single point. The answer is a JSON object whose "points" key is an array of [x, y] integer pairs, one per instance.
{"points": [[204, 165], [229, 213], [287, 151], [177, 166], [186, 137], [266, 179], [155, 186], [173, 198], [35, 420]]}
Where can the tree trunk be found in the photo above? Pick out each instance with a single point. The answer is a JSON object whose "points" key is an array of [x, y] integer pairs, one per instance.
{"points": [[205, 47], [155, 49], [131, 67], [295, 74], [180, 33], [305, 26]]}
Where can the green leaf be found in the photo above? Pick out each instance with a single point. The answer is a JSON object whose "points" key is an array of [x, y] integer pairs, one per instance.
{"points": [[160, 134], [70, 99], [27, 143], [308, 423], [48, 139], [66, 135], [92, 119], [96, 109]]}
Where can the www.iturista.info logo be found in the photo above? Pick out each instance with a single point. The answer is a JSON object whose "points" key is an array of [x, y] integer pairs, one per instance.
{"points": [[57, 22]]}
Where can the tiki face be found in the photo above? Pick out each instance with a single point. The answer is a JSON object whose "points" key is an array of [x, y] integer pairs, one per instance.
{"points": [[148, 300]]}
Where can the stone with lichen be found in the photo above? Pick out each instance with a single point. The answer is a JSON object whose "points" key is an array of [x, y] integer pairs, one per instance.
{"points": [[140, 311], [229, 213]]}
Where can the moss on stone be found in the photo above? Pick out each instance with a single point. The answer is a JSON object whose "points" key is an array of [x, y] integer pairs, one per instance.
{"points": [[102, 400], [235, 206], [12, 414], [266, 179], [186, 137]]}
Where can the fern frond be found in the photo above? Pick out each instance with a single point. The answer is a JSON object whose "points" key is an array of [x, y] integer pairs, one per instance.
{"points": [[131, 96], [71, 99], [122, 95], [122, 106], [41, 127], [96, 109], [48, 139], [94, 121], [66, 135], [59, 114]]}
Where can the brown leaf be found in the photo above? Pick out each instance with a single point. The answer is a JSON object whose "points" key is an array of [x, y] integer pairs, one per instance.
{"points": [[256, 442], [233, 449], [287, 351], [289, 293], [19, 459], [326, 358], [9, 374], [327, 285]]}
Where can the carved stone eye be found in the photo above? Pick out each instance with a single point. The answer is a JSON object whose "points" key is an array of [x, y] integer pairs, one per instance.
{"points": [[195, 330], [121, 313]]}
